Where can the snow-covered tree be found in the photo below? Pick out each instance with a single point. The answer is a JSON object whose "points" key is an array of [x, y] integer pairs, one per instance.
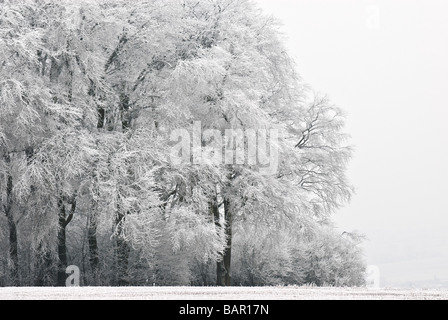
{"points": [[90, 94], [21, 105]]}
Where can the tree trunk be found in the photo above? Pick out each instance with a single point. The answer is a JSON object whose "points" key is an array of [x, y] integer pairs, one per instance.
{"points": [[227, 259], [124, 111], [64, 221], [223, 265], [93, 246], [122, 251], [13, 252], [214, 210], [62, 254], [93, 218], [13, 242]]}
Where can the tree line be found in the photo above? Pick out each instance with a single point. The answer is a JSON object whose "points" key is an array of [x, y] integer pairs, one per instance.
{"points": [[90, 93]]}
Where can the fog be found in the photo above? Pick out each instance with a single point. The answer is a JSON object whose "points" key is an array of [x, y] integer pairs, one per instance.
{"points": [[385, 63]]}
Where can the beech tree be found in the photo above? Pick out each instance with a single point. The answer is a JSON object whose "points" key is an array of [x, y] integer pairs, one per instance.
{"points": [[20, 104]]}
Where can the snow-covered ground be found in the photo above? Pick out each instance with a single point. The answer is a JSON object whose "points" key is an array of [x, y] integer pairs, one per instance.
{"points": [[233, 293]]}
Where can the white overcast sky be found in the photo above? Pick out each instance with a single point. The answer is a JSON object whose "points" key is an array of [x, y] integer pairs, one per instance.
{"points": [[385, 62]]}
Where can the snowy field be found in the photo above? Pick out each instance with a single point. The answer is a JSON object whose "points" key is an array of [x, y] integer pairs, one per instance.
{"points": [[233, 293]]}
